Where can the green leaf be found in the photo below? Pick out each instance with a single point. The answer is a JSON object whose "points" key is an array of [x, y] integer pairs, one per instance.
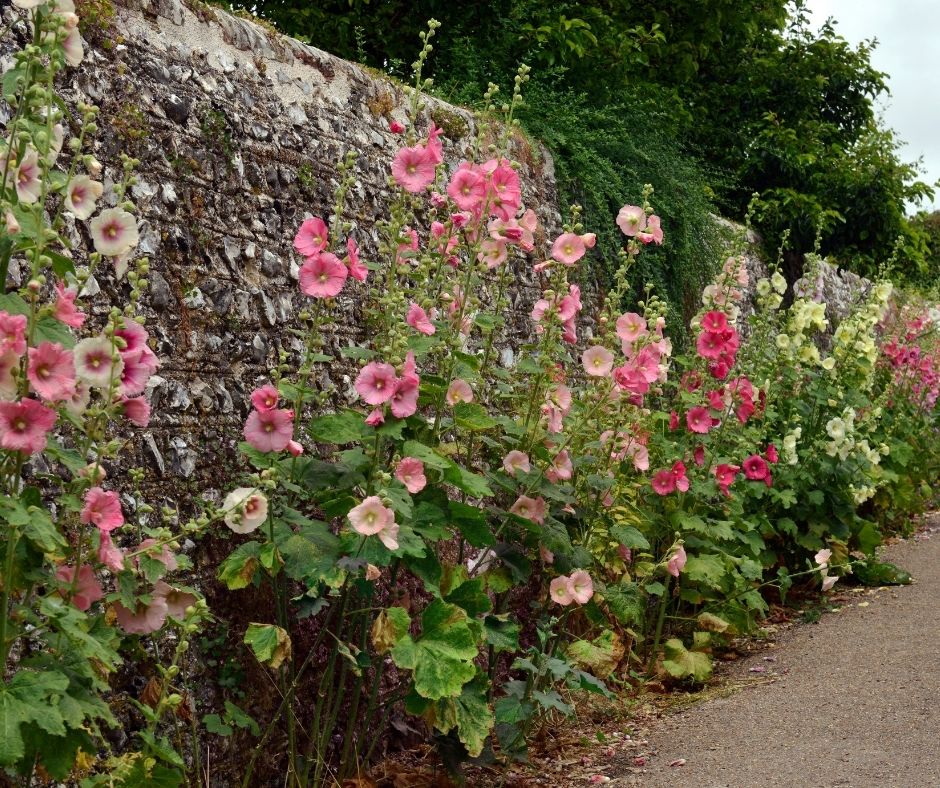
{"points": [[469, 713], [241, 718], [712, 623], [357, 353], [214, 724], [471, 596], [339, 428], [269, 643], [682, 663], [550, 699], [471, 522], [473, 417], [630, 537], [601, 655], [161, 747], [501, 633], [706, 568], [238, 570], [41, 531], [466, 481], [442, 657], [389, 627], [426, 454], [627, 602], [30, 696]]}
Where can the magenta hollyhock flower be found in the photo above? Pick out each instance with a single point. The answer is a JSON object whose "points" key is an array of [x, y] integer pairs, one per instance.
{"points": [[459, 391], [418, 319], [678, 472], [95, 363], [103, 509], [711, 344], [87, 589], [630, 327], [698, 455], [771, 454], [755, 468], [65, 310], [631, 379], [81, 195], [597, 361], [410, 472], [582, 587], [176, 600], [395, 127], [312, 237], [265, 398], [699, 420], [714, 321], [245, 509], [51, 371], [676, 562], [560, 590], [529, 509], [631, 219], [663, 482], [516, 461], [109, 553], [136, 410], [24, 425], [12, 333], [357, 270], [323, 275], [144, 619], [673, 421], [114, 232], [376, 382], [271, 430], [413, 168], [134, 336], [371, 516], [568, 248], [725, 475], [375, 418]]}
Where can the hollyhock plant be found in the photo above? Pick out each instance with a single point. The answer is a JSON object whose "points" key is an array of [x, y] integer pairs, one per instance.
{"points": [[136, 410], [376, 382], [312, 237], [176, 600], [822, 558], [102, 509], [699, 420], [631, 327], [529, 509], [138, 366], [561, 591], [678, 473], [24, 425], [51, 371], [87, 588], [582, 587], [404, 401], [114, 232], [663, 482], [65, 310], [516, 461], [82, 195], [676, 561], [725, 475], [568, 248], [371, 516], [323, 275], [96, 363], [158, 552], [245, 509], [755, 468], [12, 333], [467, 188], [26, 178], [459, 391], [144, 619], [271, 430], [410, 472], [652, 233], [109, 553], [357, 270], [631, 219], [413, 169], [597, 361], [265, 398]]}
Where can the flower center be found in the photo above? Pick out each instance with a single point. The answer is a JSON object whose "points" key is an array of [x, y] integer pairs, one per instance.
{"points": [[19, 425]]}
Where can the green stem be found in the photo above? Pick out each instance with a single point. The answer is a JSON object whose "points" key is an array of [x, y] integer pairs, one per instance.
{"points": [[663, 604]]}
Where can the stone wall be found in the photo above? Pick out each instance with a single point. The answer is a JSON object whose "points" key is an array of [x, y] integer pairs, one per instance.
{"points": [[238, 131]]}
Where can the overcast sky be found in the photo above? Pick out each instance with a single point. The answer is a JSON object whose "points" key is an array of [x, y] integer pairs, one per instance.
{"points": [[908, 33]]}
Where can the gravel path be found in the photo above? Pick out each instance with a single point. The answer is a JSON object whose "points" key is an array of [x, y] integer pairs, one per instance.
{"points": [[856, 702]]}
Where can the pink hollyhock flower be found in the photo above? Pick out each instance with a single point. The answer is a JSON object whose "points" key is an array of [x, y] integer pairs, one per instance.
{"points": [[630, 327], [388, 536], [529, 509], [710, 344], [114, 232], [103, 509], [822, 557], [139, 366], [553, 418], [652, 233], [698, 455], [459, 391], [176, 600], [561, 469], [547, 556], [408, 243], [136, 410], [516, 461], [676, 562], [323, 275], [51, 371], [493, 253], [505, 191], [678, 472], [673, 421], [265, 398], [560, 590], [312, 237], [65, 309], [87, 590], [26, 178], [371, 516], [294, 448], [376, 382], [109, 553], [716, 400], [375, 418], [410, 472], [582, 587], [589, 240], [510, 232], [271, 430], [413, 168], [404, 400], [13, 226], [699, 420], [640, 455], [144, 619], [725, 476], [755, 468], [24, 425], [72, 47], [829, 582], [95, 363], [631, 379], [467, 188], [597, 361], [79, 400], [631, 219], [357, 270], [663, 482], [569, 332], [714, 321], [161, 553], [647, 362], [81, 196], [435, 147], [568, 248], [134, 336], [529, 224], [245, 509], [771, 454], [12, 333], [418, 319]]}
